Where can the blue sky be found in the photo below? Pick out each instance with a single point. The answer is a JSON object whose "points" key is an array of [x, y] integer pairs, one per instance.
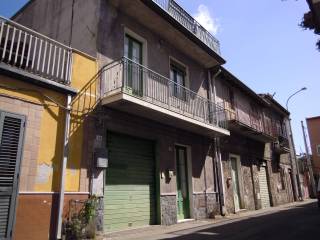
{"points": [[263, 45]]}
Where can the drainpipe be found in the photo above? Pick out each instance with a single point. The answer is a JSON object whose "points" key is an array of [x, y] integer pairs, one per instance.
{"points": [[216, 142], [222, 195], [295, 167], [63, 168]]}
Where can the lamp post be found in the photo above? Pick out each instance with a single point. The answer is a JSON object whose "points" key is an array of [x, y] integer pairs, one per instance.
{"points": [[295, 166]]}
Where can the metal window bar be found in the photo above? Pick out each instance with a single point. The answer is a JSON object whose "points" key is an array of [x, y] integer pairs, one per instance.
{"points": [[139, 81], [33, 52]]}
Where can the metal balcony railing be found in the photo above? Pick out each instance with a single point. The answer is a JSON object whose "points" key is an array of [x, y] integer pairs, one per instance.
{"points": [[33, 52], [249, 119], [186, 20], [137, 80]]}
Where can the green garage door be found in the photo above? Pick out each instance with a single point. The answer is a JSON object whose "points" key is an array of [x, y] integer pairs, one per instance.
{"points": [[129, 195]]}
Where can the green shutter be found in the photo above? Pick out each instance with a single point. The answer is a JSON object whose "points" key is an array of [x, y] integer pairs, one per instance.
{"points": [[129, 197], [11, 137]]}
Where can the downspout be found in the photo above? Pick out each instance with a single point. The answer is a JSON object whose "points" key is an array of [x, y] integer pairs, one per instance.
{"points": [[222, 195], [216, 142], [63, 168]]}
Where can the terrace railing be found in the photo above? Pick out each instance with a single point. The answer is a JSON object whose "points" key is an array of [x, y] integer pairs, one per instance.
{"points": [[186, 20], [141, 82], [33, 52]]}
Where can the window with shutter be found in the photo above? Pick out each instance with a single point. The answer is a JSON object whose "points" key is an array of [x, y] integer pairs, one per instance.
{"points": [[11, 137]]}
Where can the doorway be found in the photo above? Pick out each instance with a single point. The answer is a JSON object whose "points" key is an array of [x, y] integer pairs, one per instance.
{"points": [[133, 65], [183, 200], [236, 176]]}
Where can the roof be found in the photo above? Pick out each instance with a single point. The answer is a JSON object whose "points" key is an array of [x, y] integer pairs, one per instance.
{"points": [[265, 99], [313, 118], [239, 84], [275, 104], [21, 9]]}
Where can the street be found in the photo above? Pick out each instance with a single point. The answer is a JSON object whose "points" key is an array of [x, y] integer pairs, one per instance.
{"points": [[299, 222]]}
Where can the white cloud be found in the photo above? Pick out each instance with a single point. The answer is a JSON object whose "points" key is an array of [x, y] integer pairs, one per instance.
{"points": [[204, 17]]}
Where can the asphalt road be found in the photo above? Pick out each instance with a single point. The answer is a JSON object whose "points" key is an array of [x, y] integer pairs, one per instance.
{"points": [[298, 223]]}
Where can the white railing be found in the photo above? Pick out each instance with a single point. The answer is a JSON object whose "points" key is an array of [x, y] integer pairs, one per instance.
{"points": [[186, 20], [137, 80], [33, 52]]}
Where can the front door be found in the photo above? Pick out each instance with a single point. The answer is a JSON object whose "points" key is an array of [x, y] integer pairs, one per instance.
{"points": [[11, 137], [235, 182], [182, 183], [133, 65]]}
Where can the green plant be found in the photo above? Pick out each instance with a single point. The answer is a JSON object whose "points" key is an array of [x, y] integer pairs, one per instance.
{"points": [[81, 224]]}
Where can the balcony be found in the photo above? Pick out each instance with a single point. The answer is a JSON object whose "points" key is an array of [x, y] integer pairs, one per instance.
{"points": [[171, 25], [28, 51], [187, 21], [249, 124], [133, 88]]}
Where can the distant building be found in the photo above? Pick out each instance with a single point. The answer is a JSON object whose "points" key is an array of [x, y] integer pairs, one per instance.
{"points": [[314, 136]]}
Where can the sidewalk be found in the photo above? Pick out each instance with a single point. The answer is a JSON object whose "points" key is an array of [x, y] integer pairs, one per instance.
{"points": [[158, 232]]}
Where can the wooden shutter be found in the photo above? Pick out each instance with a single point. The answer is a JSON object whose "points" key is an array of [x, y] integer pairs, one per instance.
{"points": [[11, 137]]}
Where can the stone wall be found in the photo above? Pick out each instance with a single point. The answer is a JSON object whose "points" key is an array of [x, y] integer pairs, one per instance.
{"points": [[205, 205], [168, 209]]}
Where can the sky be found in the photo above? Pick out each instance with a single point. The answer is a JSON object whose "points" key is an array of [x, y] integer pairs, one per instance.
{"points": [[264, 46]]}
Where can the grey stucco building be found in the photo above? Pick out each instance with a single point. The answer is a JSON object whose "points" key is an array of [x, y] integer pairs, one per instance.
{"points": [[185, 139]]}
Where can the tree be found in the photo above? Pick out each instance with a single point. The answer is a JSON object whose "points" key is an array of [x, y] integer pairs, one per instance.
{"points": [[311, 19]]}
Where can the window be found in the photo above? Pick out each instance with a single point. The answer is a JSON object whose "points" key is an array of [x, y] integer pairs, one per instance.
{"points": [[318, 150], [282, 179], [178, 76], [231, 96], [134, 78]]}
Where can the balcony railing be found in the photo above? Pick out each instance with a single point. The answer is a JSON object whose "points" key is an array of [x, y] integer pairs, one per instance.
{"points": [[131, 78], [250, 119], [186, 20], [257, 123], [30, 51]]}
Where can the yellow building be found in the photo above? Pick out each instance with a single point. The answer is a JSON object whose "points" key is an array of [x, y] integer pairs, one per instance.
{"points": [[43, 86]]}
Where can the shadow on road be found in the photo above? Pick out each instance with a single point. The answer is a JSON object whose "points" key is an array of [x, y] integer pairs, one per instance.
{"points": [[299, 223]]}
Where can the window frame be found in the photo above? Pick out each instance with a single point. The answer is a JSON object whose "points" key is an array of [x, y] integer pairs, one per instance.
{"points": [[318, 149], [178, 68]]}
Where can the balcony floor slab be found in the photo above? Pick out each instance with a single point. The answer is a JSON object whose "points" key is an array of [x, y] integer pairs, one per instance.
{"points": [[130, 104]]}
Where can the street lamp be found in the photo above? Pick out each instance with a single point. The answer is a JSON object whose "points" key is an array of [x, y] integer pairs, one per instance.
{"points": [[293, 151], [302, 89]]}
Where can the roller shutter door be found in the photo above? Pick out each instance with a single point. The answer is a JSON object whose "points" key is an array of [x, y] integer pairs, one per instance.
{"points": [[130, 183], [264, 190]]}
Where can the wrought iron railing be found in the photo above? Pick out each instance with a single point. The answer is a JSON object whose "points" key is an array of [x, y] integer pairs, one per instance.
{"points": [[250, 119], [33, 52], [141, 82], [186, 20]]}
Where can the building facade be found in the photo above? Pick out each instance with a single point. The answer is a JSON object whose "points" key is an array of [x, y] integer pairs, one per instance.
{"points": [[256, 157], [313, 125], [33, 107], [158, 130]]}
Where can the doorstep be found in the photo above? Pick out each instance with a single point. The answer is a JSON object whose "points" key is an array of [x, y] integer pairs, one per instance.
{"points": [[151, 232]]}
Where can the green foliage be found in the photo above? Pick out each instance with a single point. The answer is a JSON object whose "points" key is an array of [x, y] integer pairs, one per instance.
{"points": [[81, 225], [308, 23]]}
